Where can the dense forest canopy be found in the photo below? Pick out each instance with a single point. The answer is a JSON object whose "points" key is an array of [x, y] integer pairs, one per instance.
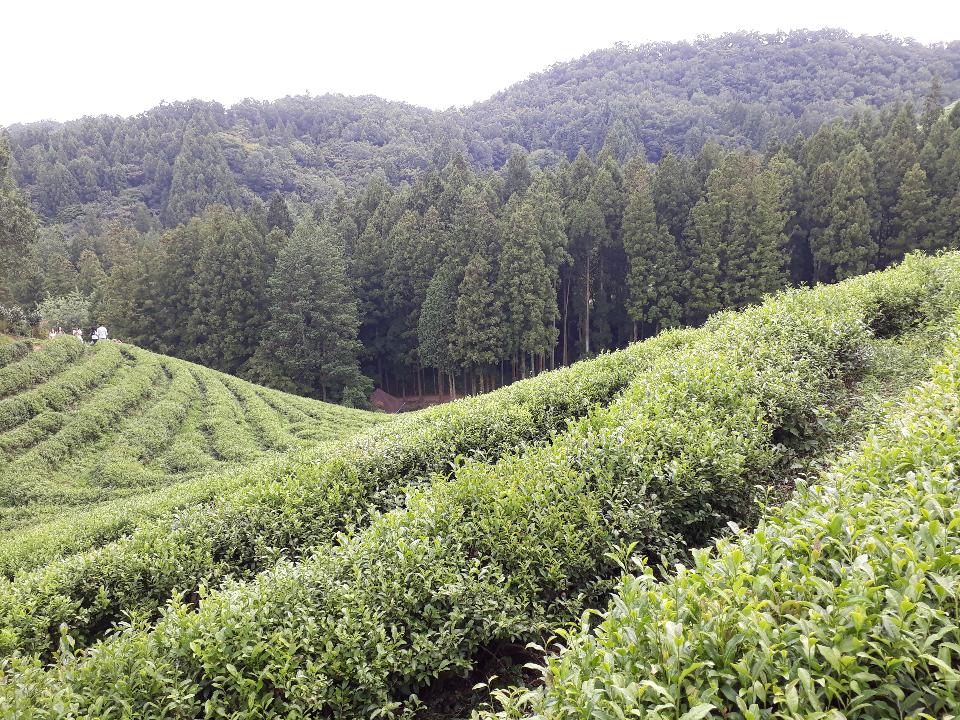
{"points": [[740, 89], [314, 244]]}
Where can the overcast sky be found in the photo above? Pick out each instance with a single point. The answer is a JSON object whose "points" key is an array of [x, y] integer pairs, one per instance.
{"points": [[62, 60]]}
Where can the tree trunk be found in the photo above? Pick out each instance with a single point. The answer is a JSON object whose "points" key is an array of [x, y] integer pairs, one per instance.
{"points": [[586, 323], [566, 318]]}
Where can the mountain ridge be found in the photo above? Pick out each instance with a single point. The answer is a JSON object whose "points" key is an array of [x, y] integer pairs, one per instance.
{"points": [[731, 88]]}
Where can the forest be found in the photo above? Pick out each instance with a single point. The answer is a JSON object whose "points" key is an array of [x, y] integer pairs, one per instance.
{"points": [[466, 271], [740, 90]]}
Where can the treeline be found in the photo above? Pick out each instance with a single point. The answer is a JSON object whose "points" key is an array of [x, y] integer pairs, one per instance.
{"points": [[462, 281], [741, 89]]}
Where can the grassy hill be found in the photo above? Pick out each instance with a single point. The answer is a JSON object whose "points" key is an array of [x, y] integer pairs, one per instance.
{"points": [[389, 572], [82, 424]]}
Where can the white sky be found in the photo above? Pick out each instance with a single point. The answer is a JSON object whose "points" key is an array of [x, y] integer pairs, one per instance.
{"points": [[65, 59]]}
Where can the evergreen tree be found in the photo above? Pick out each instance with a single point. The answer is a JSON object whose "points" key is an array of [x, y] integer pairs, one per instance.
{"points": [[516, 176], [92, 283], [914, 215], [653, 277], [18, 230], [848, 247], [739, 230], [675, 192], [621, 144], [473, 229], [477, 340], [932, 157], [91, 276], [798, 224], [817, 211], [174, 292], [587, 232], [895, 154], [312, 331], [766, 268], [229, 288], [201, 176], [608, 315], [524, 287], [437, 324], [932, 107], [547, 210], [278, 215], [59, 276], [413, 243]]}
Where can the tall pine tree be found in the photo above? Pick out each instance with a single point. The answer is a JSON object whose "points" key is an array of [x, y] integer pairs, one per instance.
{"points": [[312, 332]]}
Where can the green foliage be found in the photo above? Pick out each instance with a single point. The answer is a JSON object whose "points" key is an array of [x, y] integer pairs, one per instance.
{"points": [[68, 311], [278, 215], [18, 225], [840, 603], [492, 552], [228, 290], [36, 367], [14, 319], [477, 318], [288, 507], [83, 425], [739, 88], [312, 332], [729, 226], [654, 260], [435, 329], [12, 349]]}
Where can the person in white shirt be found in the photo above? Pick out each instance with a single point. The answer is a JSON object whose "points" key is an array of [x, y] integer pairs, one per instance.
{"points": [[101, 333]]}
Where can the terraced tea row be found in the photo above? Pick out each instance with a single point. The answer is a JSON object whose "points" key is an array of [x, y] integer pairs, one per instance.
{"points": [[285, 508], [841, 604], [80, 425], [12, 349], [499, 550]]}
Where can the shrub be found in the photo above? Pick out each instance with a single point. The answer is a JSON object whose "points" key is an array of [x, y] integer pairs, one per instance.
{"points": [[841, 604], [36, 367], [12, 349], [295, 505], [493, 553], [68, 311], [74, 384]]}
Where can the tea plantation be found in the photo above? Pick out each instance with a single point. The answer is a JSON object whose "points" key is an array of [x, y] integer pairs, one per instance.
{"points": [[84, 424], [229, 552]]}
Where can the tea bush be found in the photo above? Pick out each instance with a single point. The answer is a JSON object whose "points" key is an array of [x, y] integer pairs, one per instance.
{"points": [[35, 367], [74, 384], [841, 604], [112, 421], [493, 553], [12, 349], [295, 505]]}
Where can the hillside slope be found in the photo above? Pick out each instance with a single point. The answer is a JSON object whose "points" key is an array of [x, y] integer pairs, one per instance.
{"points": [[841, 604], [739, 89], [398, 566], [83, 424]]}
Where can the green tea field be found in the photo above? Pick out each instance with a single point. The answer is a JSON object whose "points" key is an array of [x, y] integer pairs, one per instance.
{"points": [[180, 544], [81, 425]]}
